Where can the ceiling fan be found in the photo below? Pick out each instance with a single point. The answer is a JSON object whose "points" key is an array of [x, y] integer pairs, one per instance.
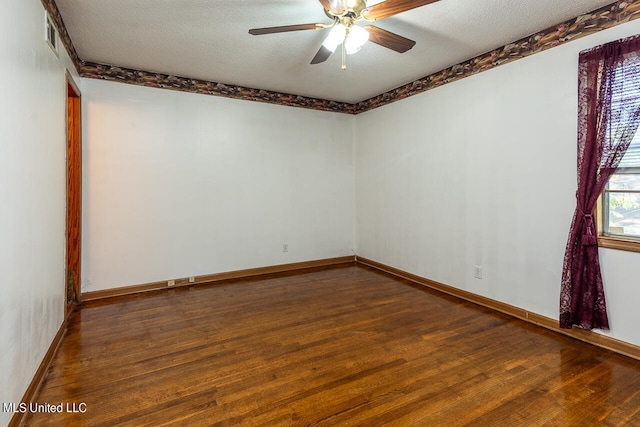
{"points": [[344, 31]]}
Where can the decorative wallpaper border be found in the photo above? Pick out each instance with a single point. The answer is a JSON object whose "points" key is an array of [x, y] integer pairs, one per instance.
{"points": [[185, 84], [584, 25], [606, 17]]}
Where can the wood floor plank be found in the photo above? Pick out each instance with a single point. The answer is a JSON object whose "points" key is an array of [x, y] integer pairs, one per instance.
{"points": [[340, 346]]}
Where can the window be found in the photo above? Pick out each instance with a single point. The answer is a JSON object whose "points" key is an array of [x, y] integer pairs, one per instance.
{"points": [[619, 206]]}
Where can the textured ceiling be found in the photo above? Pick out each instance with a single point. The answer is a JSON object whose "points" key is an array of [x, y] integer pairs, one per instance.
{"points": [[208, 40]]}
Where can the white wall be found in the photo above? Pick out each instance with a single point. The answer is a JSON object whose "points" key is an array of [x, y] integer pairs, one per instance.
{"points": [[483, 172], [179, 184], [32, 195]]}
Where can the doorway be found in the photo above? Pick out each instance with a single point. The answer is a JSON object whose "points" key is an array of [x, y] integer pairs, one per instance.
{"points": [[74, 196]]}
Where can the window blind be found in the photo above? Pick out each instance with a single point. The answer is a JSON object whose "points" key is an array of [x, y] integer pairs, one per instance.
{"points": [[631, 157], [625, 95]]}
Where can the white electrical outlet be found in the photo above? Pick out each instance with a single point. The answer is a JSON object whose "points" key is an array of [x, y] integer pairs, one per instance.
{"points": [[171, 283], [285, 247], [192, 279], [477, 272]]}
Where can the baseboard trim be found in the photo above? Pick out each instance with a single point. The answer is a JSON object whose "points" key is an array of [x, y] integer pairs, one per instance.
{"points": [[217, 277], [589, 337], [19, 418]]}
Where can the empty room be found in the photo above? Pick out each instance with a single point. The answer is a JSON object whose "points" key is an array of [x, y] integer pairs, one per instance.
{"points": [[320, 212]]}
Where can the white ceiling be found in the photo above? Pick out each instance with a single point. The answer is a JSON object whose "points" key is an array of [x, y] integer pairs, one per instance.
{"points": [[209, 40]]}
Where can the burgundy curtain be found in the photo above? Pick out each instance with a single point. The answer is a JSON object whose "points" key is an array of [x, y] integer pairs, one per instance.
{"points": [[608, 117]]}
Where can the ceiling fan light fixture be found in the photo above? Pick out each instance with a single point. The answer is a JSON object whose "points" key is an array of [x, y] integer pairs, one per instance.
{"points": [[355, 39], [336, 37], [337, 7]]}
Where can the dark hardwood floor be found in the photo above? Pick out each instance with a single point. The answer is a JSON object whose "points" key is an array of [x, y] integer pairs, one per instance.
{"points": [[344, 346]]}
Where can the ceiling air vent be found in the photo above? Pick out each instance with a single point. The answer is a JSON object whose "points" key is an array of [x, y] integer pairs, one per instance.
{"points": [[51, 34]]}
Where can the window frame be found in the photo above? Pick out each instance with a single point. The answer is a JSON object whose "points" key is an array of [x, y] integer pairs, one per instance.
{"points": [[613, 241]]}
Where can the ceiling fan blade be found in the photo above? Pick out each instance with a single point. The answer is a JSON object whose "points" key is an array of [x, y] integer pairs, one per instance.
{"points": [[392, 7], [388, 39], [285, 28], [322, 55]]}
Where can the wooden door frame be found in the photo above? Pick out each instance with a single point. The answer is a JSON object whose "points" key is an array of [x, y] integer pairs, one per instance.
{"points": [[73, 229]]}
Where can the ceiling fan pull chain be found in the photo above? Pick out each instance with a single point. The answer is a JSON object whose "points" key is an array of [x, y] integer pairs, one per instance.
{"points": [[344, 57]]}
